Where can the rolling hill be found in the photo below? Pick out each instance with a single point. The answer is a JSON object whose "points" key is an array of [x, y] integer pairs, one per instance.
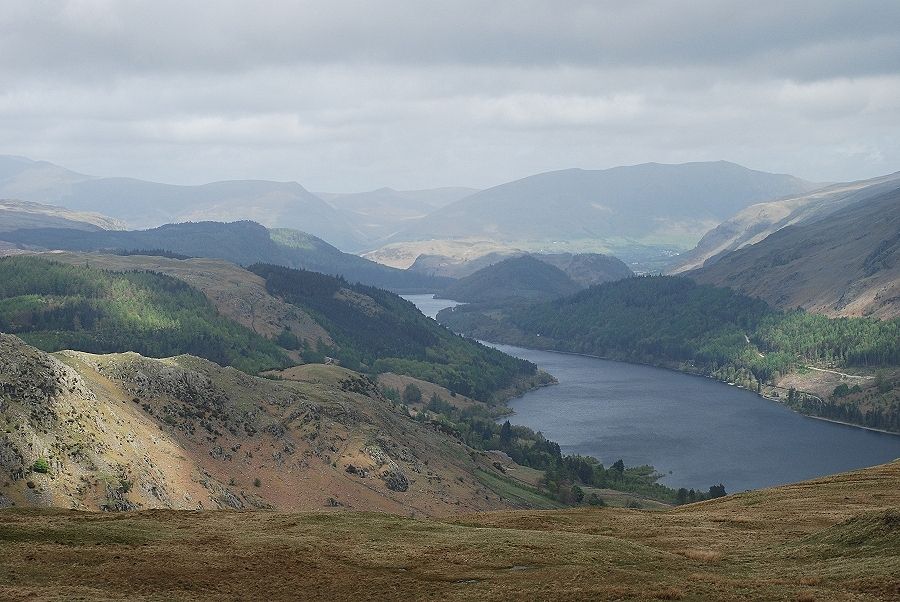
{"points": [[142, 204], [238, 242], [844, 264], [758, 221], [653, 205], [524, 278]]}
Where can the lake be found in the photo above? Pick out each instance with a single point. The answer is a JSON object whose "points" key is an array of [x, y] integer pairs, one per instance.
{"points": [[695, 430]]}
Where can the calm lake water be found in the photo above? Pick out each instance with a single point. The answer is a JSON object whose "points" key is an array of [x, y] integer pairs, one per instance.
{"points": [[697, 431]]}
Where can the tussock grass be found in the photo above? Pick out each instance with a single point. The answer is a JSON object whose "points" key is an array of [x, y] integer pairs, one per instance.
{"points": [[828, 539]]}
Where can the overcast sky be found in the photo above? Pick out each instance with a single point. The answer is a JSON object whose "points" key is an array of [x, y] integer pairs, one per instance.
{"points": [[348, 96]]}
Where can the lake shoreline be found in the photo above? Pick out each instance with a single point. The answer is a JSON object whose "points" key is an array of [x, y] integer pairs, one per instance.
{"points": [[689, 373]]}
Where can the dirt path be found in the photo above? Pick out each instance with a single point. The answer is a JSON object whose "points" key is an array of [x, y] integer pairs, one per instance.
{"points": [[841, 374]]}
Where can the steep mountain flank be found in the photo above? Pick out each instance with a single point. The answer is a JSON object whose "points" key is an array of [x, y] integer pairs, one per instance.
{"points": [[845, 264], [15, 215], [523, 278], [758, 221], [116, 432], [238, 242]]}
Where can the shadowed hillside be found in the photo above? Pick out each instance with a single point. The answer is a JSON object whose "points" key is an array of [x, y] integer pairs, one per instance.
{"points": [[845, 264], [242, 243], [758, 221]]}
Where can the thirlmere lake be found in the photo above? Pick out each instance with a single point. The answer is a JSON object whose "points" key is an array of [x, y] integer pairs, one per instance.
{"points": [[696, 431]]}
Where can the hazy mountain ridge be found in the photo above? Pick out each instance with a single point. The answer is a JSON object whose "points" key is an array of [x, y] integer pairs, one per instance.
{"points": [[383, 212], [642, 202], [144, 204], [15, 215], [758, 221], [846, 263], [242, 243]]}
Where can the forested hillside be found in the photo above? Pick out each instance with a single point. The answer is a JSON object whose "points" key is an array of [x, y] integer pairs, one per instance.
{"points": [[243, 243], [377, 331], [702, 329], [55, 306]]}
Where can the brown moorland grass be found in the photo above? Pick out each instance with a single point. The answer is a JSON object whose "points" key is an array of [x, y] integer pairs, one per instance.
{"points": [[834, 538]]}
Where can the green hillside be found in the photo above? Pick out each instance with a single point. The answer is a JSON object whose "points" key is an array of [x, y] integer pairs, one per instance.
{"points": [[706, 330], [55, 306], [377, 331], [515, 279]]}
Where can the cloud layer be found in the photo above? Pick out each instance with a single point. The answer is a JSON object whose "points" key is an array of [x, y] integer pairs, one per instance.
{"points": [[353, 95]]}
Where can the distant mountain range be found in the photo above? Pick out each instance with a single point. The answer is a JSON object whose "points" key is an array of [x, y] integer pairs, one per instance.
{"points": [[143, 204], [243, 243], [652, 203], [758, 221], [846, 263], [381, 213]]}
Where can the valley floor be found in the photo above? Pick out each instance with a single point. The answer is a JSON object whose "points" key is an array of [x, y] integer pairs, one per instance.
{"points": [[834, 538]]}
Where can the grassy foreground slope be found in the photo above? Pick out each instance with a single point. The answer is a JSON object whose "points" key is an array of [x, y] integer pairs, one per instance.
{"points": [[835, 538]]}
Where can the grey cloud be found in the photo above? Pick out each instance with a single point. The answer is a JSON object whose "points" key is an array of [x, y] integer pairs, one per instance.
{"points": [[794, 39], [354, 95]]}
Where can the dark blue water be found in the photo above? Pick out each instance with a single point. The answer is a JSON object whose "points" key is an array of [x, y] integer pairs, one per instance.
{"points": [[697, 431]]}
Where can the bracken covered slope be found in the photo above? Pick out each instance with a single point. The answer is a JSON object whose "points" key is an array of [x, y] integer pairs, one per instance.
{"points": [[123, 432]]}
